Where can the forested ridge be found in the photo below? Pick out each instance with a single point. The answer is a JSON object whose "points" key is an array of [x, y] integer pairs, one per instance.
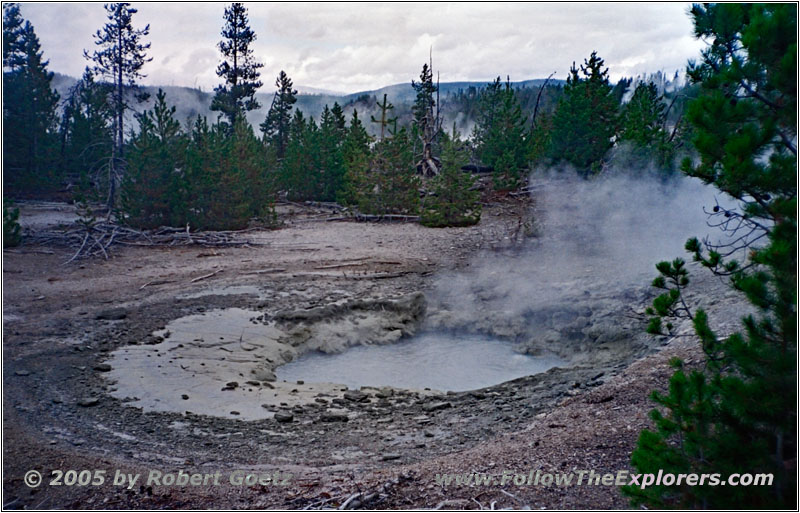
{"points": [[219, 160]]}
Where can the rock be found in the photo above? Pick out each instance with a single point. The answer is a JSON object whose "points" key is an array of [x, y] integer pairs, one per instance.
{"points": [[232, 385], [389, 456], [112, 314], [334, 416], [428, 434], [184, 397], [88, 401], [384, 393], [356, 396], [253, 383], [261, 374], [435, 406], [284, 416], [102, 367], [22, 373], [234, 412]]}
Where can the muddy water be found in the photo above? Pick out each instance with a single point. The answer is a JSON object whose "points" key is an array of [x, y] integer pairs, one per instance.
{"points": [[434, 360]]}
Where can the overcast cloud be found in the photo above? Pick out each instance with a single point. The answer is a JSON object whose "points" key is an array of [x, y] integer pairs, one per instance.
{"points": [[353, 47]]}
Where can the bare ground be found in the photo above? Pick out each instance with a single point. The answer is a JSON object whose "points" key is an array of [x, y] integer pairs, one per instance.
{"points": [[60, 321]]}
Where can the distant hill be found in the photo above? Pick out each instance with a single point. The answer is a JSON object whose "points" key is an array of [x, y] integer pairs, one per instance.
{"points": [[191, 102]]}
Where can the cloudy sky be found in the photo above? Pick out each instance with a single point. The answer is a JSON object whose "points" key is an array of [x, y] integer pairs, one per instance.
{"points": [[353, 47]]}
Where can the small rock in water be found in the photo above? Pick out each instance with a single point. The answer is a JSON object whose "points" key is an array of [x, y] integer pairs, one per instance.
{"points": [[102, 367], [88, 401], [184, 397], [234, 412], [390, 456], [22, 373]]}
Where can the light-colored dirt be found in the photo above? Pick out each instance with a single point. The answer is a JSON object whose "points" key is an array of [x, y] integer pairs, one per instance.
{"points": [[61, 321]]}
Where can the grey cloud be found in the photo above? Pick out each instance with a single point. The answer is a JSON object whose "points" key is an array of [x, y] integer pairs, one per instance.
{"points": [[352, 47]]}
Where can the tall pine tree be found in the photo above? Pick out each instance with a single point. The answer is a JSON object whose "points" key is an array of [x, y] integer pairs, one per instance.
{"points": [[29, 110], [120, 58], [238, 69]]}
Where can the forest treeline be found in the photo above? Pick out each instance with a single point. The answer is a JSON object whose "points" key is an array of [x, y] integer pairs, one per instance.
{"points": [[224, 173]]}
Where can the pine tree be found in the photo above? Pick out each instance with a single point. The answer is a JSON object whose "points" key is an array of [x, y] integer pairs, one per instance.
{"points": [[642, 124], [355, 154], [12, 231], [239, 69], [29, 110], [86, 134], [296, 167], [427, 122], [226, 176], [153, 192], [13, 27], [390, 185], [331, 168], [120, 59], [276, 126], [385, 120], [585, 119], [451, 200], [737, 411], [499, 135]]}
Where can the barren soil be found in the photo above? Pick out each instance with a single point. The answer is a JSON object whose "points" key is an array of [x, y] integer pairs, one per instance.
{"points": [[61, 323]]}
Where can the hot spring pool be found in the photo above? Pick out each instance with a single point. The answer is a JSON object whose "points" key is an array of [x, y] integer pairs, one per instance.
{"points": [[434, 360]]}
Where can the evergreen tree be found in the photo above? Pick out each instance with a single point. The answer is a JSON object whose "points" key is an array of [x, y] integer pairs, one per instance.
{"points": [[153, 192], [355, 154], [385, 120], [276, 126], [226, 176], [642, 124], [239, 69], [29, 109], [339, 122], [13, 27], [737, 411], [120, 59], [451, 200], [328, 149], [296, 168], [86, 135], [499, 134], [12, 231], [586, 117], [390, 185], [427, 122]]}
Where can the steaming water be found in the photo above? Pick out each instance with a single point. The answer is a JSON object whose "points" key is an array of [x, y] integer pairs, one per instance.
{"points": [[434, 360]]}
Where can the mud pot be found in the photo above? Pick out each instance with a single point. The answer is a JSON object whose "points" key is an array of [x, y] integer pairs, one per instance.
{"points": [[361, 358]]}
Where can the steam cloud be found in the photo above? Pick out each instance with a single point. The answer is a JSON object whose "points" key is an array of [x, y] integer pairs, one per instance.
{"points": [[598, 240]]}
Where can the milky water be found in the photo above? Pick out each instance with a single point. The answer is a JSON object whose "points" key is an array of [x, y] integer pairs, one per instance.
{"points": [[433, 360]]}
